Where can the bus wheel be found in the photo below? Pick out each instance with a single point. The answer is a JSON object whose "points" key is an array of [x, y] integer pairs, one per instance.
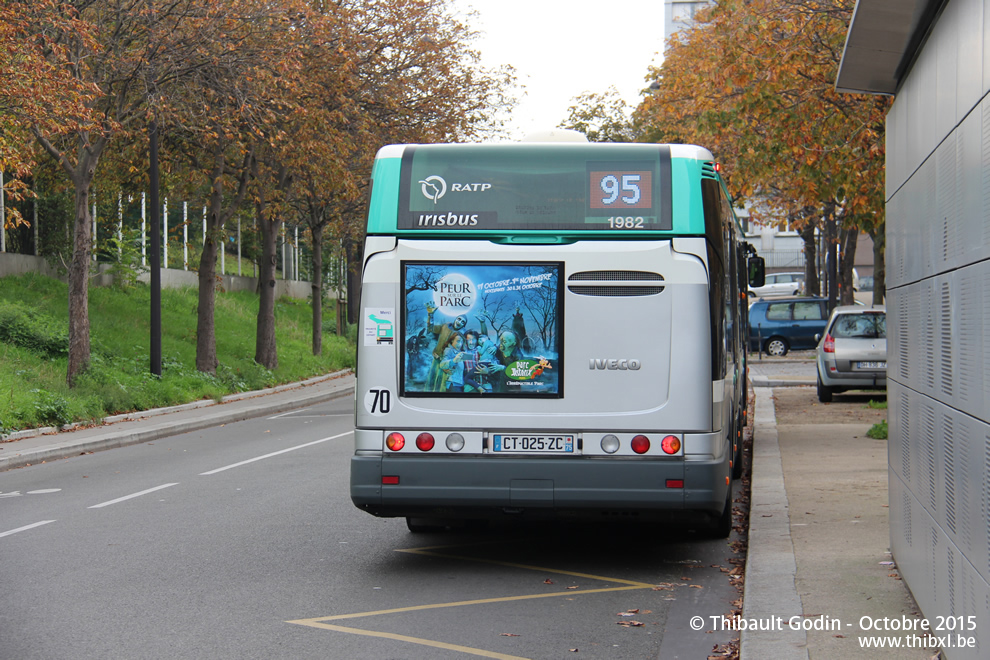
{"points": [[425, 525], [719, 527]]}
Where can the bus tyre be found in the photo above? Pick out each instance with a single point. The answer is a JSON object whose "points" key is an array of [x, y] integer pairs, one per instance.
{"points": [[719, 527], [824, 392], [425, 525]]}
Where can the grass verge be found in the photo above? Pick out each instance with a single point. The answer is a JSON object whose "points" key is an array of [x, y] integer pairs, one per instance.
{"points": [[34, 350]]}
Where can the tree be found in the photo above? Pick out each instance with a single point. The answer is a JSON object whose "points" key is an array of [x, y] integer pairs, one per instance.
{"points": [[126, 55], [754, 81], [39, 91], [224, 114], [602, 117], [378, 73]]}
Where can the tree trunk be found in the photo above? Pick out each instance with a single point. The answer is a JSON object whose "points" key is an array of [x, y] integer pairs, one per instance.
{"points": [[849, 237], [812, 285], [206, 341], [831, 255], [266, 351], [879, 236], [79, 344], [317, 233]]}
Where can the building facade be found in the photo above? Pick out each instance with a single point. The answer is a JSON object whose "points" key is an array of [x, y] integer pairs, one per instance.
{"points": [[679, 14], [933, 56]]}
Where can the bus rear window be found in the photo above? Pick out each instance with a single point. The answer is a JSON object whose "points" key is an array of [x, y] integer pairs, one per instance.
{"points": [[564, 188]]}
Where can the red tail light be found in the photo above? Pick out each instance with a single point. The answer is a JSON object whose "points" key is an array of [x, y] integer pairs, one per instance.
{"points": [[640, 444], [829, 344], [425, 441], [671, 444], [395, 441]]}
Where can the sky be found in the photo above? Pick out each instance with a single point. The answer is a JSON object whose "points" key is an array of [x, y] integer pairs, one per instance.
{"points": [[561, 49]]}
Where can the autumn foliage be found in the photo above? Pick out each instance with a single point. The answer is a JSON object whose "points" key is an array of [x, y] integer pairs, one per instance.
{"points": [[275, 107], [754, 81]]}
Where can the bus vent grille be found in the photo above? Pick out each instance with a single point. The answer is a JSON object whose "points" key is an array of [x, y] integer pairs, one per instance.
{"points": [[616, 276], [615, 290], [708, 170]]}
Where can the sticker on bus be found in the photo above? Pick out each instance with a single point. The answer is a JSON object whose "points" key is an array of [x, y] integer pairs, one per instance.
{"points": [[379, 327], [481, 329]]}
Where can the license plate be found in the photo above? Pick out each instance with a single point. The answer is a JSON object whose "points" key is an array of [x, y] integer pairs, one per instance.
{"points": [[871, 365], [531, 443]]}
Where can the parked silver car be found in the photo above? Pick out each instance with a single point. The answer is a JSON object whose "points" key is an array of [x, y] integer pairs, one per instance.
{"points": [[780, 284], [852, 355]]}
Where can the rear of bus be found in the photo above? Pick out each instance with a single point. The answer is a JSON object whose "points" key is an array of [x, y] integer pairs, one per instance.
{"points": [[563, 332]]}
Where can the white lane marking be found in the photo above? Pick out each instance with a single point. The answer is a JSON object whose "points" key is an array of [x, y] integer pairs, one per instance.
{"points": [[25, 528], [287, 413], [324, 416], [128, 497], [258, 458]]}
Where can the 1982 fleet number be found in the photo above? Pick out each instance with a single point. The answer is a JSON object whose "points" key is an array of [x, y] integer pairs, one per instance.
{"points": [[619, 222]]}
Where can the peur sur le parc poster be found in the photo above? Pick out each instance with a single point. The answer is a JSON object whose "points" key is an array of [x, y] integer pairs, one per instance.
{"points": [[481, 329]]}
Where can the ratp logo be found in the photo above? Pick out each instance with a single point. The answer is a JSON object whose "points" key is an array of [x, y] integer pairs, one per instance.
{"points": [[434, 187]]}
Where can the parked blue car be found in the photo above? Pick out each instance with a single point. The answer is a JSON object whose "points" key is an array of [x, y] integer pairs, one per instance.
{"points": [[781, 324]]}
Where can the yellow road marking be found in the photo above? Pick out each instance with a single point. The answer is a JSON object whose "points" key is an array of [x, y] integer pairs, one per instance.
{"points": [[413, 640], [321, 622], [426, 551]]}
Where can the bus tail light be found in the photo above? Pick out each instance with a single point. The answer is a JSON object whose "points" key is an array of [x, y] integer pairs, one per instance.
{"points": [[675, 483], [395, 441], [390, 480], [640, 444], [610, 444], [670, 444], [455, 442], [425, 441]]}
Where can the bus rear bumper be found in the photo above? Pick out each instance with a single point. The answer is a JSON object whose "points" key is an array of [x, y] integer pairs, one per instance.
{"points": [[480, 486]]}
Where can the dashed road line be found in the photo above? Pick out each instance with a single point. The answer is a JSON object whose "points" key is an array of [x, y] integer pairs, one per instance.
{"points": [[25, 528], [131, 496], [275, 453]]}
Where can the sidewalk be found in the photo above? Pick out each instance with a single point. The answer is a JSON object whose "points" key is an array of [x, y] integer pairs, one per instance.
{"points": [[818, 545], [30, 447]]}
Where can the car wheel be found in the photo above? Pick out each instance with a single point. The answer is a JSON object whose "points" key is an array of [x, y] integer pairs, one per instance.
{"points": [[824, 392], [776, 346]]}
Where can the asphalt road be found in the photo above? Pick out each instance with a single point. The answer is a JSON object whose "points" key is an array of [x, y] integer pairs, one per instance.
{"points": [[241, 542]]}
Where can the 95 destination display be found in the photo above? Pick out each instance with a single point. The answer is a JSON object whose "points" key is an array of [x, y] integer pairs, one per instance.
{"points": [[470, 188]]}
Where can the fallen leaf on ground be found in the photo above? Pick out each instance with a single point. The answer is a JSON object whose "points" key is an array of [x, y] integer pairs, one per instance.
{"points": [[630, 624], [509, 635]]}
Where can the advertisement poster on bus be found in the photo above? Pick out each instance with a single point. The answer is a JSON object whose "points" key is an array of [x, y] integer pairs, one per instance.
{"points": [[482, 329]]}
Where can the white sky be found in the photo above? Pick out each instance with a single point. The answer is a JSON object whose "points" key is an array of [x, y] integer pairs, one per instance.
{"points": [[561, 49]]}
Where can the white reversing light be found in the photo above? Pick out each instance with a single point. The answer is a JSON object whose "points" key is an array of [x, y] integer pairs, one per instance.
{"points": [[610, 444]]}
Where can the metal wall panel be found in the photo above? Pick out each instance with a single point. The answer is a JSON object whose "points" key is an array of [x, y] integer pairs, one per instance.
{"points": [[938, 317]]}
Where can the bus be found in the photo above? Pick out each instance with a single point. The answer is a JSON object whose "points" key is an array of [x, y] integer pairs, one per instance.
{"points": [[570, 324]]}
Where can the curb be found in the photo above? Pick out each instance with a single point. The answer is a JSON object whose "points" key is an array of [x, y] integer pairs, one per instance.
{"points": [[767, 381], [65, 447], [770, 590]]}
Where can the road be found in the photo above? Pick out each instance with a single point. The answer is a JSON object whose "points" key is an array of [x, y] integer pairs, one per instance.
{"points": [[241, 542]]}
